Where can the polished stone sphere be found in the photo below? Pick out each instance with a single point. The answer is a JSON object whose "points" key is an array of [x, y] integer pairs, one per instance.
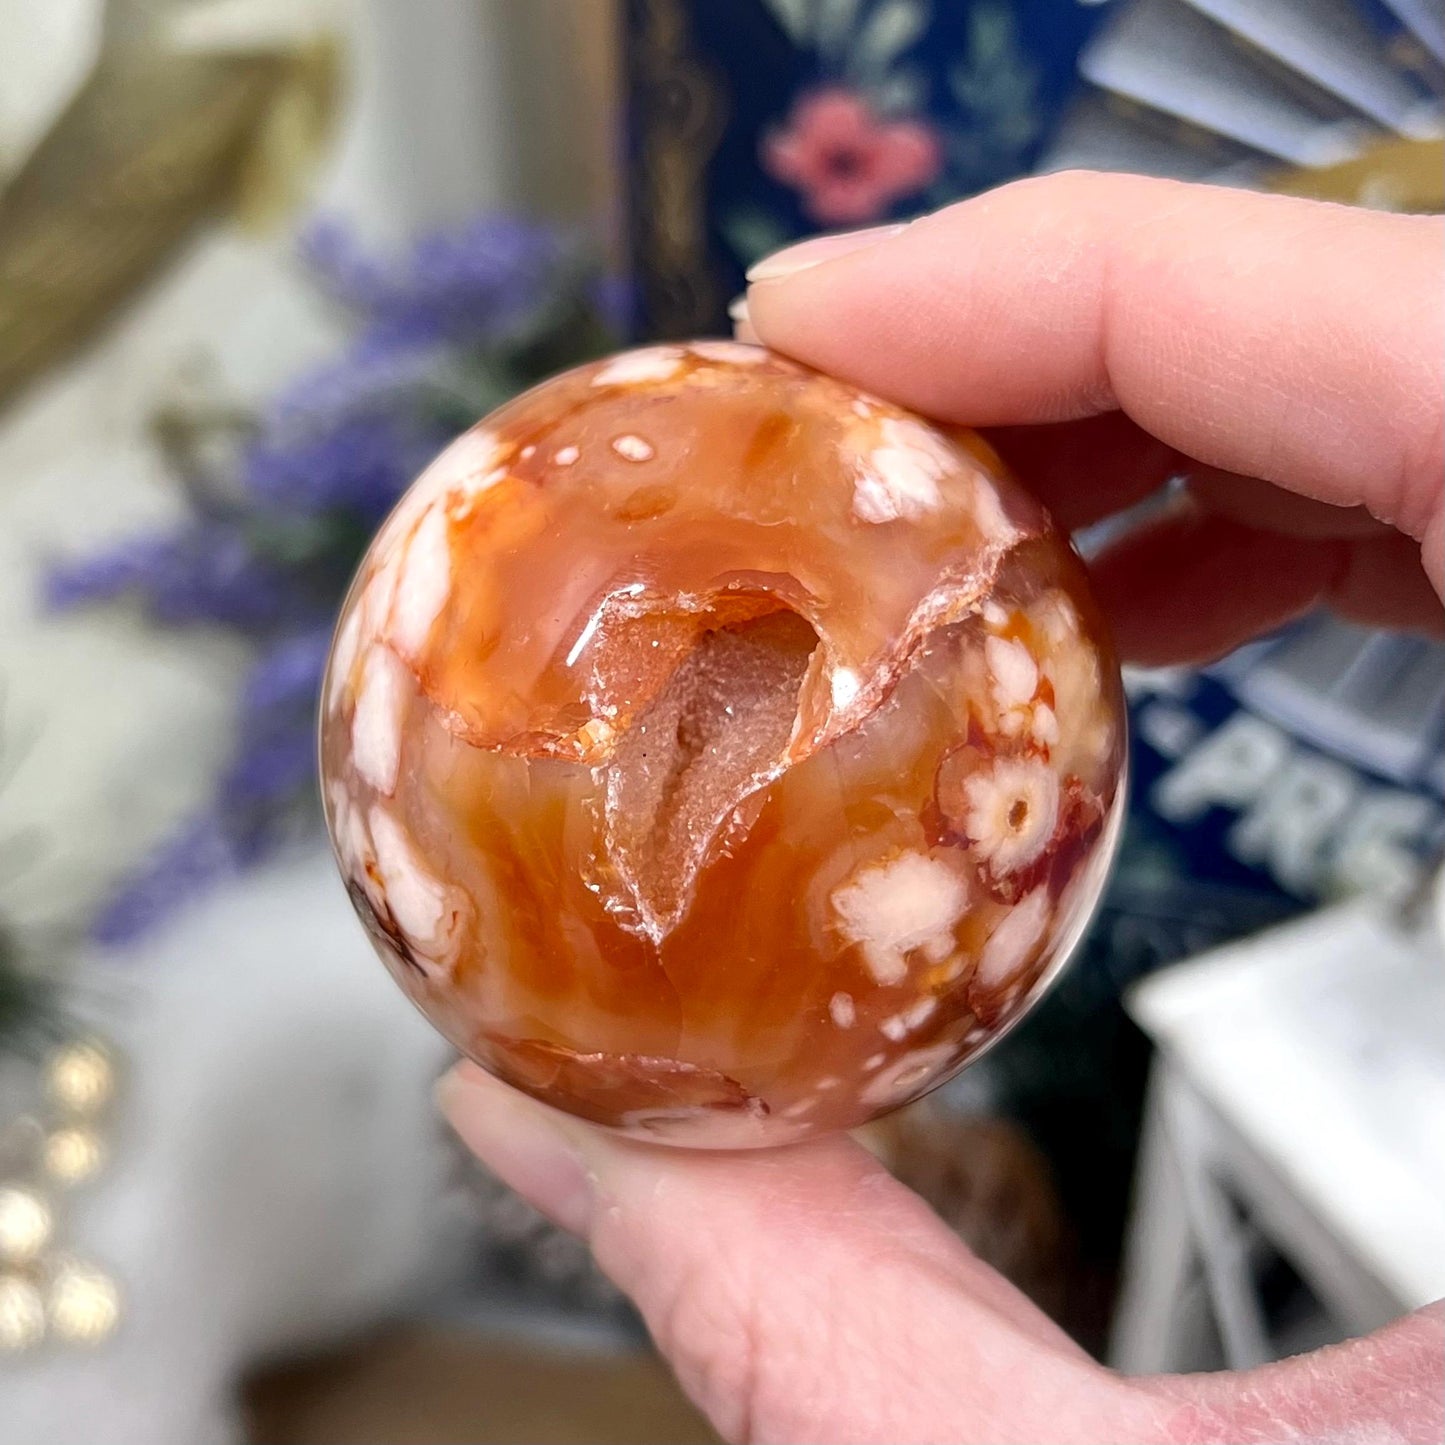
{"points": [[718, 752]]}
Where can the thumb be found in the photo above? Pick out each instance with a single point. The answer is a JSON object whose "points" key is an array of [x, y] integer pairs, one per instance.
{"points": [[802, 1293]]}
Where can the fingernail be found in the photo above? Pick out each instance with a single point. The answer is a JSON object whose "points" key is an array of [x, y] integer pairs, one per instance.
{"points": [[517, 1140], [818, 249], [743, 329]]}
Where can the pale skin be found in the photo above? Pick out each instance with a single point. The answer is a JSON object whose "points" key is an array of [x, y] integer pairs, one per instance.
{"points": [[1110, 333]]}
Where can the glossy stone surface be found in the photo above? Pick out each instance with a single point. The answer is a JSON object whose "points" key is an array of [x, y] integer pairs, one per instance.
{"points": [[717, 752]]}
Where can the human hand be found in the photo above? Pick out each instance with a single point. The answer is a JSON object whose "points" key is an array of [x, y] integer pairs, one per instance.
{"points": [[801, 1294], [1112, 332]]}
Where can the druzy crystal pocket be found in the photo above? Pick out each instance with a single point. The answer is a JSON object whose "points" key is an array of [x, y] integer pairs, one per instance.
{"points": [[720, 753]]}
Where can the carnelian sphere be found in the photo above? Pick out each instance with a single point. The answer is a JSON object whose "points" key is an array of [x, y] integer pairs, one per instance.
{"points": [[718, 752]]}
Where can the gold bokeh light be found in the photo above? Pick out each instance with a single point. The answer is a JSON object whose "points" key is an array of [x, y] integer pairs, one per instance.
{"points": [[83, 1303], [80, 1077], [26, 1224], [22, 1314], [72, 1155]]}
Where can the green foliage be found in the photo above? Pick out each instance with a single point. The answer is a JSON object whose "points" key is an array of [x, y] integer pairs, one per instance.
{"points": [[28, 1006]]}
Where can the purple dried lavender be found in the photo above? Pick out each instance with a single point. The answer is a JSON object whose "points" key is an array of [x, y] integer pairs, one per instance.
{"points": [[206, 572], [276, 757], [334, 256], [103, 576], [472, 286], [374, 377], [462, 321], [270, 770], [200, 854], [286, 677], [359, 465]]}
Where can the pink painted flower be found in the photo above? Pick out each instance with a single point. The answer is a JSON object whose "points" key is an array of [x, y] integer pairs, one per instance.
{"points": [[850, 164]]}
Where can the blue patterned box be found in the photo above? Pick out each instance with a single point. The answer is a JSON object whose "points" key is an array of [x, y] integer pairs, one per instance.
{"points": [[752, 122]]}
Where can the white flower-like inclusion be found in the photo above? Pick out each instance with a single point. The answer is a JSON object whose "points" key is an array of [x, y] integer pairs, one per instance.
{"points": [[423, 584], [1013, 943], [1014, 679], [376, 722], [899, 478], [900, 1025], [1012, 810], [360, 629], [422, 906], [344, 653], [907, 1075], [472, 464], [734, 353], [633, 448], [637, 368], [889, 909], [1084, 725], [348, 827]]}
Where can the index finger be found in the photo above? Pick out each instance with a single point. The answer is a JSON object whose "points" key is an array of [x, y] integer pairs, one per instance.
{"points": [[1285, 339]]}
